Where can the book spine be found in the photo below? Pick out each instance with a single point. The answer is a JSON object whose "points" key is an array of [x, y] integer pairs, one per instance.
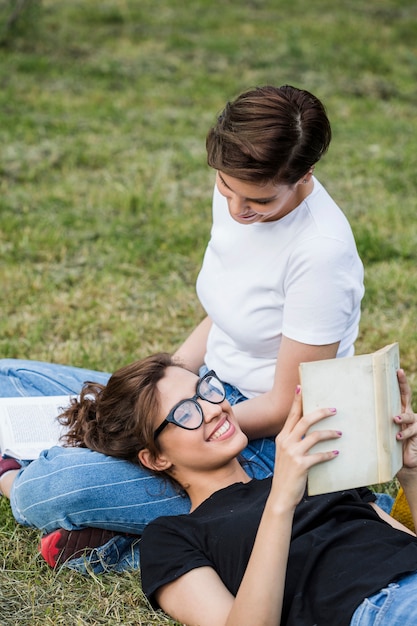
{"points": [[387, 405]]}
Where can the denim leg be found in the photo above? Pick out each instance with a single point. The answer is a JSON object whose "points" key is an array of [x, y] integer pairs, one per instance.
{"points": [[118, 555], [393, 606], [75, 487], [259, 457], [36, 378], [259, 454], [384, 501]]}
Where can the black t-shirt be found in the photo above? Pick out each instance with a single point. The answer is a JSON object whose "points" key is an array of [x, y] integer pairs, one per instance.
{"points": [[341, 551]]}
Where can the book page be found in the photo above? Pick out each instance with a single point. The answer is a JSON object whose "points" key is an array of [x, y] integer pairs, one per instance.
{"points": [[329, 384], [30, 425]]}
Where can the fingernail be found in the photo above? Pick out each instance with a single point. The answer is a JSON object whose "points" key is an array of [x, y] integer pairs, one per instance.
{"points": [[399, 435], [333, 410], [335, 452], [297, 389], [399, 418], [339, 432]]}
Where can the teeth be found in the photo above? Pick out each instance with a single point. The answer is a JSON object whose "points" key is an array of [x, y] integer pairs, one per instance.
{"points": [[223, 429]]}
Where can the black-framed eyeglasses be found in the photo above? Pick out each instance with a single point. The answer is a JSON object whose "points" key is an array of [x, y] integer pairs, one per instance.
{"points": [[188, 413]]}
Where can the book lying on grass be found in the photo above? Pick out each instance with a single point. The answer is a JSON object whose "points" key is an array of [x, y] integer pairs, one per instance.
{"points": [[365, 391], [29, 425]]}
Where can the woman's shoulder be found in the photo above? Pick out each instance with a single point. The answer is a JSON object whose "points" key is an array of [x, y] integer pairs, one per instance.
{"points": [[325, 216]]}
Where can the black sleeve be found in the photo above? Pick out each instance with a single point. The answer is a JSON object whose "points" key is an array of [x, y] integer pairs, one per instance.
{"points": [[168, 550], [366, 494]]}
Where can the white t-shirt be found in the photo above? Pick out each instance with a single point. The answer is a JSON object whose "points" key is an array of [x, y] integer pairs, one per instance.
{"points": [[299, 276]]}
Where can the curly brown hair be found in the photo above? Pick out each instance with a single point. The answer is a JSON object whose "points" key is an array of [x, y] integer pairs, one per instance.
{"points": [[118, 419]]}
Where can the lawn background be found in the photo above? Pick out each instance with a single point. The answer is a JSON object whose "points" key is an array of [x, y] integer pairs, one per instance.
{"points": [[105, 194]]}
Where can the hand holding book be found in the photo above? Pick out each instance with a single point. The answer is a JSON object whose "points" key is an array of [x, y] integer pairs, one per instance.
{"points": [[407, 434], [365, 391]]}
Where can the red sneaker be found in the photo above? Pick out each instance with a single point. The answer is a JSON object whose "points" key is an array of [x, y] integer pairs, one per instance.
{"points": [[62, 545], [8, 464]]}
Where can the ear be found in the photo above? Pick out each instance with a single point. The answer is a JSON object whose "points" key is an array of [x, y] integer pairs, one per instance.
{"points": [[158, 464], [307, 176]]}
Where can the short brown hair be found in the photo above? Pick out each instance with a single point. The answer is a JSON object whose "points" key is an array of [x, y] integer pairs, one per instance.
{"points": [[269, 134]]}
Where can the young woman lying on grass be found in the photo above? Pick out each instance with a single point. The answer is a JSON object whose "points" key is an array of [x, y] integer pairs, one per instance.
{"points": [[252, 551], [262, 551]]}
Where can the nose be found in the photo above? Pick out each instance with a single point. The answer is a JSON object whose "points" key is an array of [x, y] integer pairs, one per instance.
{"points": [[236, 204], [210, 410]]}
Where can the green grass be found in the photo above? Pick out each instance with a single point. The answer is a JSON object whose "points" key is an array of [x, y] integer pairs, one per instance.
{"points": [[105, 193]]}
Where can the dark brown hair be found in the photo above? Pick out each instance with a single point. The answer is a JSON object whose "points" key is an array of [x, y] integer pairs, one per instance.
{"points": [[269, 134], [118, 419]]}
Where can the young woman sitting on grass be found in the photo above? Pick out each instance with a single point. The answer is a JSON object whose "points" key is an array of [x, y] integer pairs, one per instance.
{"points": [[281, 283], [252, 551]]}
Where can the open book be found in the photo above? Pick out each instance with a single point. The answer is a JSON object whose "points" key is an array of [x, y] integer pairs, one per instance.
{"points": [[29, 425], [364, 389]]}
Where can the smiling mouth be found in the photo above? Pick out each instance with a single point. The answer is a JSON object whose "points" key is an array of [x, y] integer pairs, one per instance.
{"points": [[247, 216], [220, 431]]}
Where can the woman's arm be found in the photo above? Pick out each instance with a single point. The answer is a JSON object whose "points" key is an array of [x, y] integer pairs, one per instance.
{"points": [[264, 415], [199, 597], [390, 520], [191, 352]]}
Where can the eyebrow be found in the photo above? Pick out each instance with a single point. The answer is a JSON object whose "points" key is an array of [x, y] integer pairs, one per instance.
{"points": [[248, 199], [195, 391]]}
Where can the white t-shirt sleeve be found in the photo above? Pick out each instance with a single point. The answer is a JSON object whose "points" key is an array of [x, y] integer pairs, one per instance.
{"points": [[321, 291]]}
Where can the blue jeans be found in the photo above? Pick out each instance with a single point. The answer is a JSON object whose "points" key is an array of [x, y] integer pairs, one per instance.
{"points": [[36, 378], [75, 487], [396, 605]]}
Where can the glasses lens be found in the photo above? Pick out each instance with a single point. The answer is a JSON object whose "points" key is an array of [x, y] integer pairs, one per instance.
{"points": [[212, 389], [188, 415]]}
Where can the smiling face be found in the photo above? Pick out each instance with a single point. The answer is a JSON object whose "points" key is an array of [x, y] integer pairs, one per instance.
{"points": [[249, 203], [214, 444]]}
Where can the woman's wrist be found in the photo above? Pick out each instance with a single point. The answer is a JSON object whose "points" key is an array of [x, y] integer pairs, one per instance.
{"points": [[407, 477]]}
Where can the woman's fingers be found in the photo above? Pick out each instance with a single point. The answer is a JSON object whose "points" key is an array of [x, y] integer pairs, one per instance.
{"points": [[302, 448], [300, 440], [302, 427], [408, 419], [296, 440], [314, 437], [405, 391], [295, 412], [321, 457], [297, 422], [408, 428]]}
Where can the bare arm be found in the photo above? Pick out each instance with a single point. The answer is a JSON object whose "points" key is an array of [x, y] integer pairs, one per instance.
{"points": [[200, 598], [191, 353], [390, 520], [265, 415]]}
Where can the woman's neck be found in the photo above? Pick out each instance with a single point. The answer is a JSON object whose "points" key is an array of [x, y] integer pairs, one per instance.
{"points": [[201, 486]]}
